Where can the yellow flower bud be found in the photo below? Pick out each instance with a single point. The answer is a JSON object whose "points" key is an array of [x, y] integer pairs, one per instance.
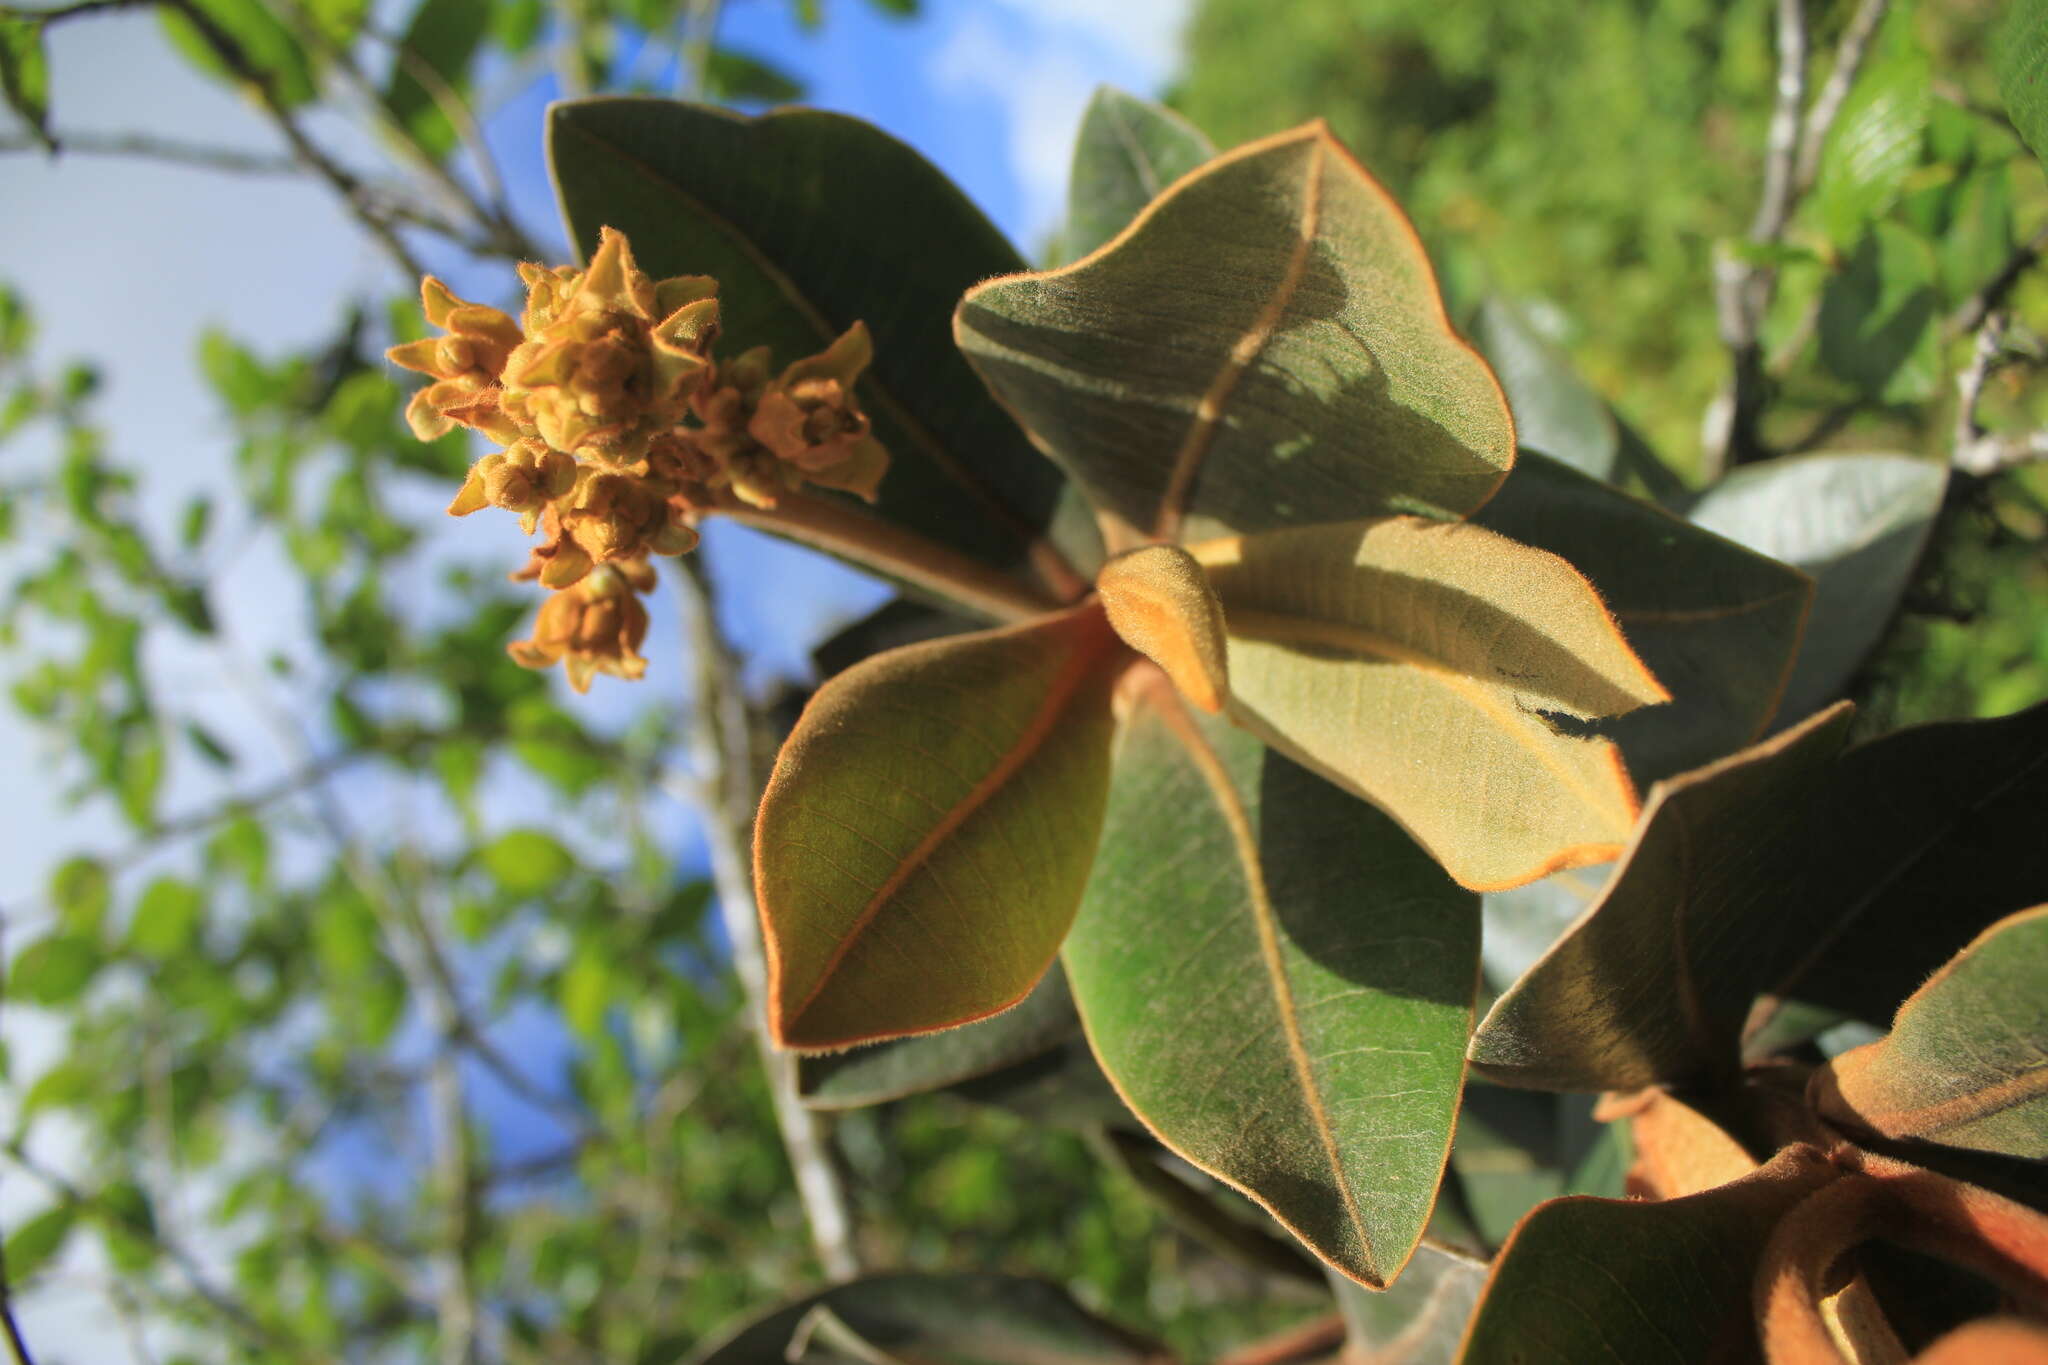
{"points": [[464, 364], [596, 626]]}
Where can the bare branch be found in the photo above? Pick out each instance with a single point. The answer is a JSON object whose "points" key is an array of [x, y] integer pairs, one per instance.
{"points": [[231, 160], [1976, 451], [722, 789], [1849, 55], [16, 1343]]}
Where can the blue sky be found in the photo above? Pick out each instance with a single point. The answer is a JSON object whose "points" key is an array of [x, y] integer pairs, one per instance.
{"points": [[125, 262]]}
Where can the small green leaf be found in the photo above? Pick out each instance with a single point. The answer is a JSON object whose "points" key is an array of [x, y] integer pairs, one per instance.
{"points": [[53, 970], [1718, 624], [1632, 1282], [909, 1066], [526, 862], [701, 191], [1264, 348], [168, 918], [1126, 154], [586, 991], [1877, 317], [1875, 140], [1445, 673], [266, 47], [1857, 524], [81, 890], [1963, 1063], [1555, 410], [943, 1320], [731, 76], [2020, 56], [1279, 982], [141, 775], [924, 838], [433, 57], [38, 1241], [25, 73]]}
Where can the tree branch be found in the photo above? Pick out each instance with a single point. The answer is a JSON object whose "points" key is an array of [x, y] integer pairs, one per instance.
{"points": [[1979, 306], [721, 786], [231, 160], [16, 1343], [1849, 55], [1976, 451]]}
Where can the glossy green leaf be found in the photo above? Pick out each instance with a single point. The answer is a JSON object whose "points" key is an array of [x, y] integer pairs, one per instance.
{"points": [[1264, 347], [25, 73], [1875, 140], [1878, 314], [1419, 1320], [943, 1320], [526, 862], [1653, 984], [908, 1066], [702, 191], [1963, 1065], [1857, 524], [38, 1241], [2019, 53], [431, 65], [1630, 1282], [1792, 870], [923, 841], [1717, 623], [1555, 410], [1278, 982], [1445, 673], [168, 917], [1127, 152]]}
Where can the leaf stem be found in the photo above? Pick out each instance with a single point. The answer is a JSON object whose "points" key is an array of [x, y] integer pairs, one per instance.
{"points": [[898, 554]]}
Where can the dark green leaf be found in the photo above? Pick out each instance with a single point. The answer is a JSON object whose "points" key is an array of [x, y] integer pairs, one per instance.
{"points": [[1718, 624], [1857, 524], [1127, 152], [1877, 317], [909, 1066], [1790, 870], [38, 1241], [1279, 982], [2020, 56], [431, 64], [25, 73], [944, 1320], [733, 76], [1264, 348], [700, 191], [1963, 1063], [1555, 411], [1628, 1282], [923, 841], [1206, 1210]]}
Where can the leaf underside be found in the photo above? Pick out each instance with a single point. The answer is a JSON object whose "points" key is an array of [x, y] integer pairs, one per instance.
{"points": [[1278, 982], [1445, 673], [1966, 1063], [1263, 347], [923, 841]]}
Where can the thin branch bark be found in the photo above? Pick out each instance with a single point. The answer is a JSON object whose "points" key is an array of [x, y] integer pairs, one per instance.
{"points": [[1976, 451], [231, 160], [1980, 305], [1849, 56], [16, 1343], [722, 789]]}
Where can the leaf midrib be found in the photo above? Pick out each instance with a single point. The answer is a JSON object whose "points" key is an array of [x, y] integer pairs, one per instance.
{"points": [[1231, 806]]}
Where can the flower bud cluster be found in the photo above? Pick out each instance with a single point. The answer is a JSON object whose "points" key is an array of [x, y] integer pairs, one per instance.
{"points": [[620, 430]]}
